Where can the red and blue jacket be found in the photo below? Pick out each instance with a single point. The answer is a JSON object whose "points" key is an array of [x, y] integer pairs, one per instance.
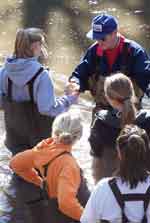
{"points": [[137, 64]]}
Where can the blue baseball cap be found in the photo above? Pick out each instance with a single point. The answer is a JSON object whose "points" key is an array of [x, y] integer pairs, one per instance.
{"points": [[102, 25]]}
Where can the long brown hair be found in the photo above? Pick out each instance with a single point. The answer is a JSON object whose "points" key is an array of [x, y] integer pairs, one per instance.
{"points": [[134, 149], [119, 87], [24, 39]]}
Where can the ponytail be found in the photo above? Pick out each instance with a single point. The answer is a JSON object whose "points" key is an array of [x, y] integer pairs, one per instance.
{"points": [[65, 138], [118, 87], [128, 114]]}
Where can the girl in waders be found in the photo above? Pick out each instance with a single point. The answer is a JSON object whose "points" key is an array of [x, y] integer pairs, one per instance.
{"points": [[27, 93], [29, 103], [124, 198], [64, 190], [120, 94]]}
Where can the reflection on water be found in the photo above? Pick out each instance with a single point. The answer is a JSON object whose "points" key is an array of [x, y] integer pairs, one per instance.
{"points": [[5, 176]]}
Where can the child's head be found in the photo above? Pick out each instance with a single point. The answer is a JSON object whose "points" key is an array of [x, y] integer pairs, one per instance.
{"points": [[134, 153], [120, 94], [67, 128], [30, 42]]}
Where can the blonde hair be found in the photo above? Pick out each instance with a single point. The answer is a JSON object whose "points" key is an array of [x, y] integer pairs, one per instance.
{"points": [[24, 40], [67, 127], [119, 87]]}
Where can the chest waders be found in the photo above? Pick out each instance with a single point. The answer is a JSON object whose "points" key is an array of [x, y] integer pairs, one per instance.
{"points": [[25, 126], [121, 198], [46, 209], [96, 80]]}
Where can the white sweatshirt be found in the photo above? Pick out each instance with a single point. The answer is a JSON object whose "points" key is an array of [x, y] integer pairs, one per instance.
{"points": [[103, 205]]}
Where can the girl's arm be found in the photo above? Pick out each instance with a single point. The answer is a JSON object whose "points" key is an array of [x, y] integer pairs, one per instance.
{"points": [[68, 185], [23, 165], [47, 102]]}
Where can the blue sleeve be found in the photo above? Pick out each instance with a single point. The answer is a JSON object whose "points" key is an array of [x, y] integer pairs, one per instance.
{"points": [[47, 102], [141, 68], [84, 69]]}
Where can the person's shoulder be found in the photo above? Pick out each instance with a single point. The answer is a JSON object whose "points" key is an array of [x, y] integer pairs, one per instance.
{"points": [[109, 117], [3, 65], [103, 185], [104, 130], [142, 115], [46, 70], [134, 45], [69, 166], [68, 161], [94, 45], [45, 74], [92, 48], [104, 181], [143, 119], [2, 69]]}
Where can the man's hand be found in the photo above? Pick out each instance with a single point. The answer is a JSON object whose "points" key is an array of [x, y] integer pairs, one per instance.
{"points": [[72, 88]]}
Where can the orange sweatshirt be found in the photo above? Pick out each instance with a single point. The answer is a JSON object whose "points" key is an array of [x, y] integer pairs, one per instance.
{"points": [[63, 175]]}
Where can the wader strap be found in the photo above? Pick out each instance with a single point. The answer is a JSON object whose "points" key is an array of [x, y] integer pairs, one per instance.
{"points": [[130, 197], [128, 61], [97, 66], [93, 83], [118, 196], [134, 197], [147, 199], [126, 58], [9, 89], [104, 221], [45, 187], [30, 83], [44, 194], [47, 164], [96, 59], [146, 203]]}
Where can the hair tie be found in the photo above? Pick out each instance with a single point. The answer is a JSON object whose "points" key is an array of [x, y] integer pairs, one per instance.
{"points": [[127, 98]]}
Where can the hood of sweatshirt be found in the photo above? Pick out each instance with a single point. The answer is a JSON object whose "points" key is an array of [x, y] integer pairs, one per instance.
{"points": [[21, 70], [47, 150]]}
